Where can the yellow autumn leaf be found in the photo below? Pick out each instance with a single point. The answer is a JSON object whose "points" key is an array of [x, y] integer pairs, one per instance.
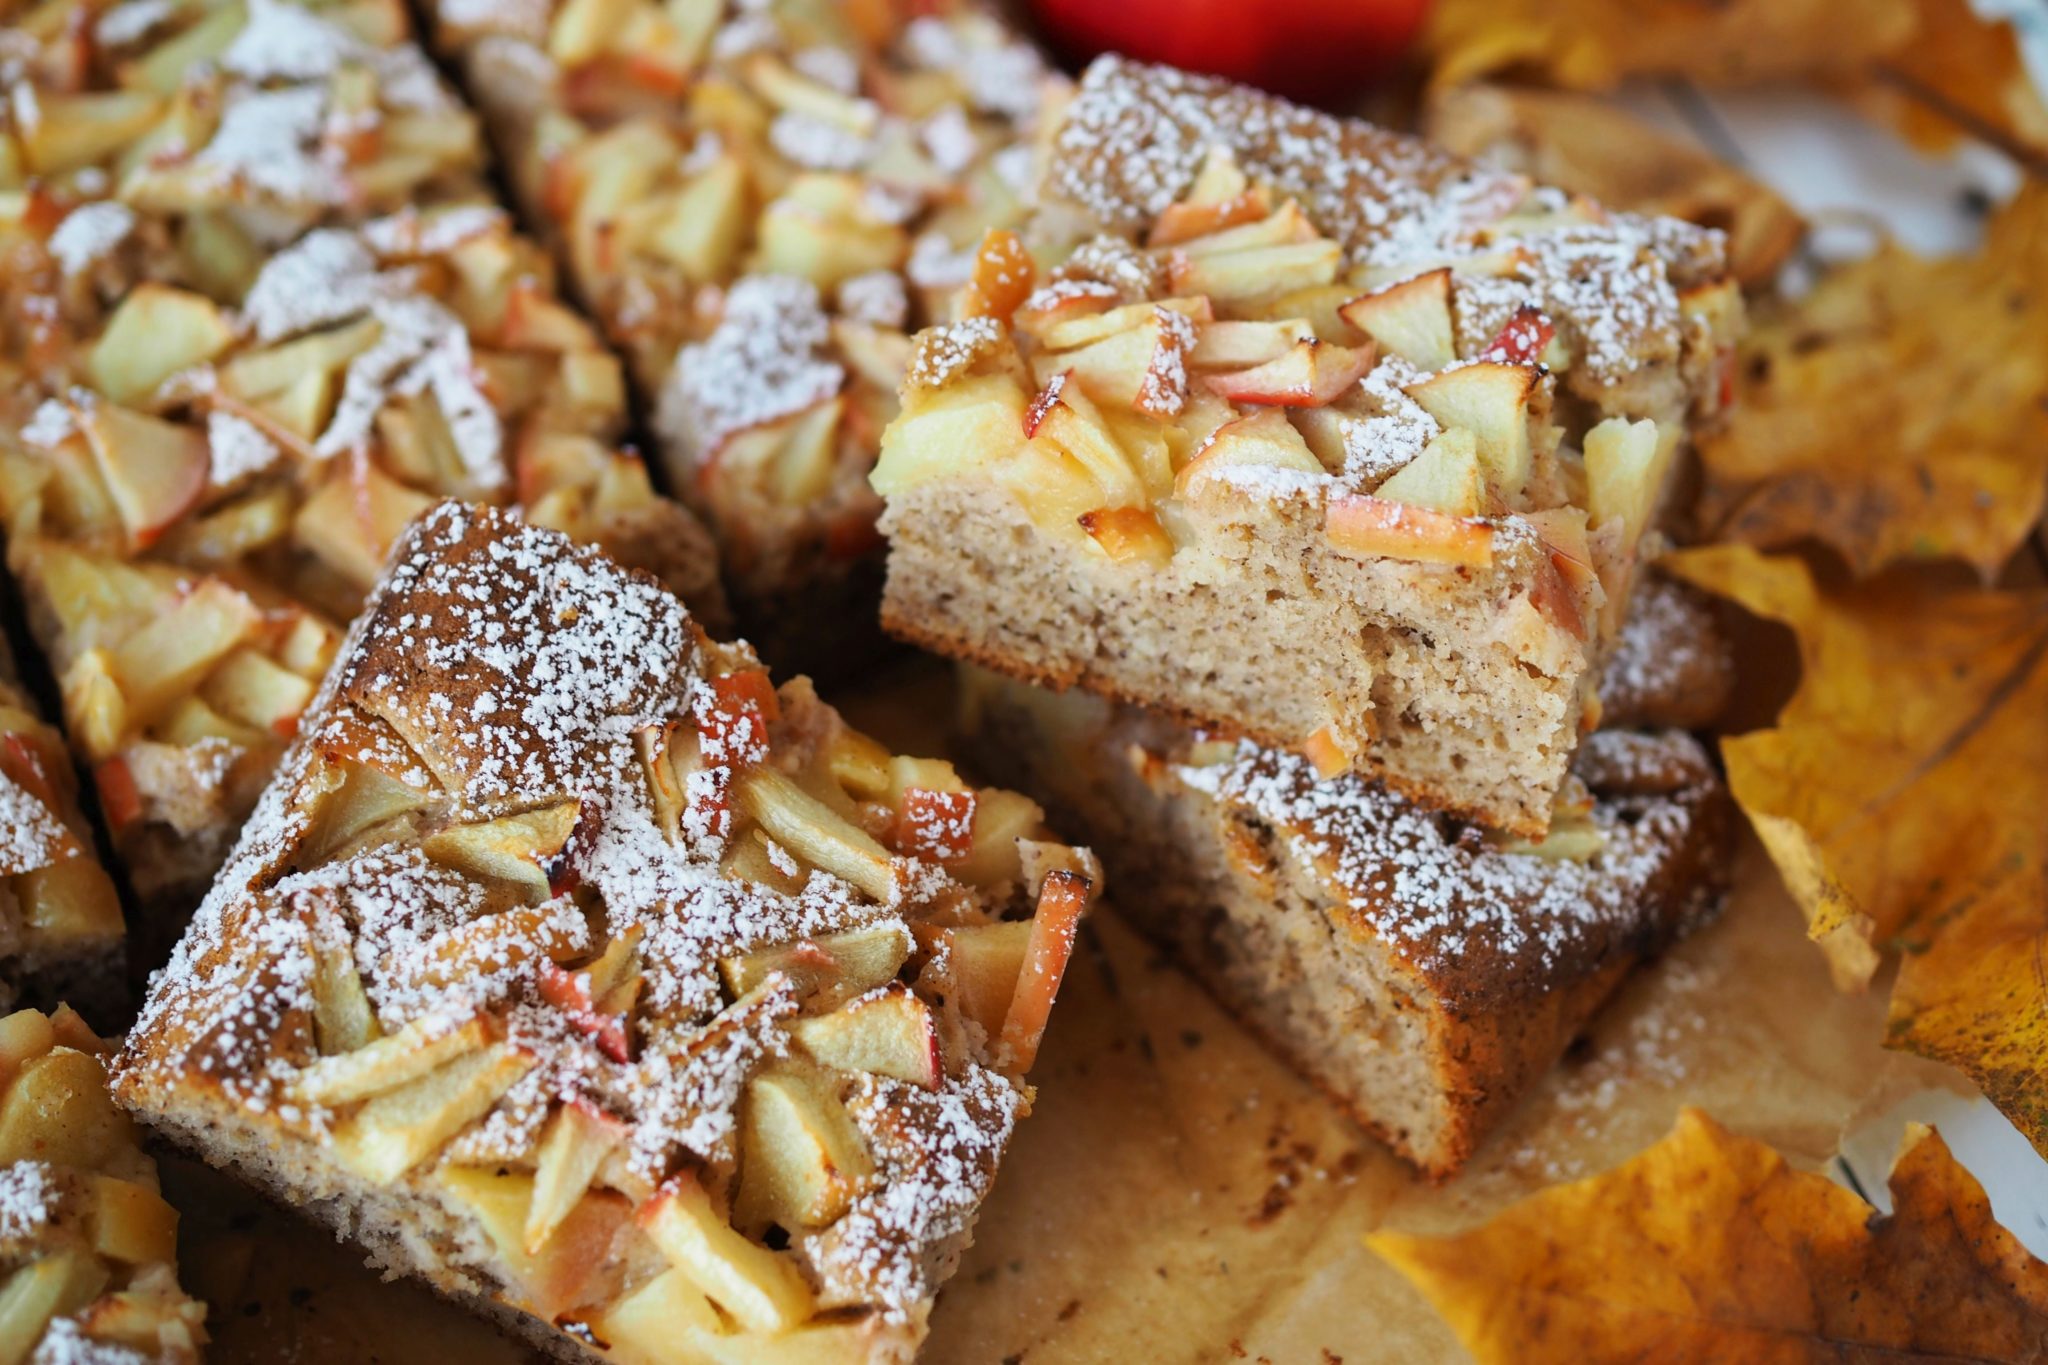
{"points": [[1899, 410], [1709, 1247], [1901, 795], [1596, 44], [1961, 74]]}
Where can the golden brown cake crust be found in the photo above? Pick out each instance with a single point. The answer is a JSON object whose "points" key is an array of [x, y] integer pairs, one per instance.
{"points": [[569, 964]]}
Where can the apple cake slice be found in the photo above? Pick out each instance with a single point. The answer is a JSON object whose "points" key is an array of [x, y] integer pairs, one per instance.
{"points": [[88, 1245], [61, 935], [201, 472], [1313, 434], [572, 966], [757, 201], [1423, 972]]}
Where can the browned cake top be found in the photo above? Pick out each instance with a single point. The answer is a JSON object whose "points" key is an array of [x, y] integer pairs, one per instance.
{"points": [[1478, 918], [501, 675], [1135, 137]]}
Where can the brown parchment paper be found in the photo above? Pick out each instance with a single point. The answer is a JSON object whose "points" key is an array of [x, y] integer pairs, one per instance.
{"points": [[1177, 1195]]}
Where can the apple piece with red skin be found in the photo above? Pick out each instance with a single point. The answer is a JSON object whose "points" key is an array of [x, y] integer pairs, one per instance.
{"points": [[934, 825], [1312, 50], [1564, 594], [1523, 339], [743, 705], [732, 737], [570, 993], [529, 849], [120, 798], [1181, 222], [1062, 899], [986, 961], [888, 1031], [557, 1277], [1236, 344], [1365, 527], [1310, 374], [154, 471], [833, 968]]}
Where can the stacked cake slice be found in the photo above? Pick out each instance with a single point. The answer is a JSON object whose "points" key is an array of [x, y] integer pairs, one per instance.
{"points": [[760, 201], [1349, 455], [1423, 971], [571, 965], [1310, 434], [259, 312]]}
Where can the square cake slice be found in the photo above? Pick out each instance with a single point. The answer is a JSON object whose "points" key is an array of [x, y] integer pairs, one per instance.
{"points": [[760, 203], [1423, 972], [571, 966], [1311, 433], [61, 933], [88, 1244], [211, 443]]}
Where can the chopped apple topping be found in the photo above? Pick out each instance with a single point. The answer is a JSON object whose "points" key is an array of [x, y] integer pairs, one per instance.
{"points": [[1374, 528], [762, 1289], [1410, 319], [1308, 375], [888, 1031], [397, 1130], [802, 1159], [1128, 534], [1062, 900], [578, 1139], [391, 1061]]}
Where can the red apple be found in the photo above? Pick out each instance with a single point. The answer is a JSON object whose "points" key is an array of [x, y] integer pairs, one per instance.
{"points": [[1310, 49]]}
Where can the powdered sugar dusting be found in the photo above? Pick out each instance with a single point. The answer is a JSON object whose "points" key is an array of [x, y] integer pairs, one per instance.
{"points": [[768, 358], [236, 448], [30, 1192], [31, 835], [1437, 890], [89, 233], [938, 1153]]}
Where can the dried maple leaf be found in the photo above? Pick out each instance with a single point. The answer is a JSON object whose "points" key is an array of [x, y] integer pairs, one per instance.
{"points": [[1962, 73], [1593, 147], [1708, 1247], [1595, 44], [1899, 410], [1901, 795]]}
